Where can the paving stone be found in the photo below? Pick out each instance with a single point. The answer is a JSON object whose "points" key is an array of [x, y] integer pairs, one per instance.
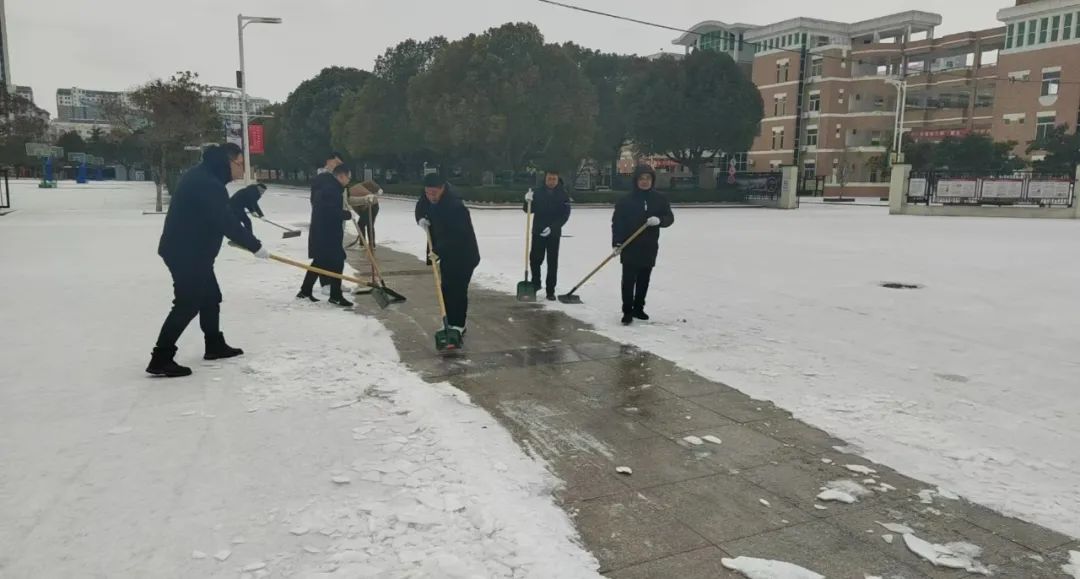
{"points": [[625, 529], [1038, 566], [741, 408], [803, 436], [936, 528], [823, 548], [674, 415], [740, 447], [658, 461], [734, 507], [800, 481], [611, 383], [699, 564], [584, 479], [1032, 536]]}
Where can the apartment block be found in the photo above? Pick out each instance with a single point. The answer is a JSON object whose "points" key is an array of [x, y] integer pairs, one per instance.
{"points": [[836, 94]]}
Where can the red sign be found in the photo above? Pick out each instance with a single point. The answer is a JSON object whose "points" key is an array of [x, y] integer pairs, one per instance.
{"points": [[256, 139]]}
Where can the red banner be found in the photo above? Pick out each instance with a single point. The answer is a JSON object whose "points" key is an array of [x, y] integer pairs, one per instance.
{"points": [[256, 140]]}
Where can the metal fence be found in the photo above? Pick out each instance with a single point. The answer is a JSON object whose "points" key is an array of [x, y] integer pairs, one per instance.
{"points": [[811, 186], [1024, 188], [744, 187]]}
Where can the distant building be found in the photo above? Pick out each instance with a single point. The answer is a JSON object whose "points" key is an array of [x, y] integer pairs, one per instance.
{"points": [[25, 92], [85, 130], [77, 105]]}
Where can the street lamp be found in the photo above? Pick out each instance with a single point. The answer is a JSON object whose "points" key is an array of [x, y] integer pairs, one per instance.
{"points": [[241, 23], [901, 110]]}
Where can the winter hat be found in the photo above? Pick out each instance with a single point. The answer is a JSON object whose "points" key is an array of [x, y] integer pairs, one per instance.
{"points": [[643, 170], [433, 180]]}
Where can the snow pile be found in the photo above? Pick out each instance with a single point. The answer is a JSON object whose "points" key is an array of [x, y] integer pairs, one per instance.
{"points": [[806, 301], [1073, 567], [767, 569], [951, 556], [843, 491]]}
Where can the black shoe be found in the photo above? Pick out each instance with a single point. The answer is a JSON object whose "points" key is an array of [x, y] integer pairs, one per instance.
{"points": [[627, 319], [162, 364], [308, 297], [217, 349], [341, 301], [551, 296], [641, 315]]}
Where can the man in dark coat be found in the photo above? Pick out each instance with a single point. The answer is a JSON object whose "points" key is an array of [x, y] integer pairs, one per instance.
{"points": [[246, 201], [551, 211], [441, 212], [199, 218], [644, 205], [327, 234]]}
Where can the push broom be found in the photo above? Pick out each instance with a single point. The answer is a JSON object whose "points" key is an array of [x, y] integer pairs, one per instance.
{"points": [[572, 297], [289, 233]]}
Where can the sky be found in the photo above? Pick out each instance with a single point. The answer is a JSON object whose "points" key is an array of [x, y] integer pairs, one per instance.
{"points": [[120, 44]]}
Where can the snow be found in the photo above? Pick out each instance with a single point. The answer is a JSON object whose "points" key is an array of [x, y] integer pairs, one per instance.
{"points": [[768, 569], [712, 439], [693, 440], [951, 556], [1073, 567], [758, 299], [843, 491], [860, 469], [110, 473]]}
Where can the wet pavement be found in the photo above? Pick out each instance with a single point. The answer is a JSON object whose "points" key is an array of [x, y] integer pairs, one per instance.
{"points": [[587, 405]]}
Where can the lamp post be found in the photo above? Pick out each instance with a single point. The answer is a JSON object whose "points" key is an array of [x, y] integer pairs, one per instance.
{"points": [[241, 23], [901, 109]]}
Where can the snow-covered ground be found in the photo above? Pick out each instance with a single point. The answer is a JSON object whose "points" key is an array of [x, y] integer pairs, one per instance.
{"points": [[969, 383], [316, 451]]}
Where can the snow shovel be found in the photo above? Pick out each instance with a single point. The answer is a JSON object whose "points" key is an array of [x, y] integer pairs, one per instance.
{"points": [[572, 297], [289, 233], [526, 291], [383, 295], [447, 339]]}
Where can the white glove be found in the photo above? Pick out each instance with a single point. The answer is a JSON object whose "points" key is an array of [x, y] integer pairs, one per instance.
{"points": [[529, 196], [379, 192], [546, 232], [653, 222], [424, 223], [617, 249], [262, 253]]}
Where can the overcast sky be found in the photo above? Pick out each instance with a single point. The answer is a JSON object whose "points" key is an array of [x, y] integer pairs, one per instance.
{"points": [[118, 44]]}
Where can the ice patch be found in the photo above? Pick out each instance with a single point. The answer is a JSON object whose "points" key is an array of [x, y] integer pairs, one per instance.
{"points": [[624, 470], [1073, 567], [898, 528], [951, 555], [766, 569], [843, 491], [860, 469], [712, 439], [765, 502], [693, 440], [888, 538]]}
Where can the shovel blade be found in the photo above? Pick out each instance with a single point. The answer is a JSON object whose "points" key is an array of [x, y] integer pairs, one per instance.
{"points": [[448, 340], [290, 234], [569, 299], [380, 298], [526, 292]]}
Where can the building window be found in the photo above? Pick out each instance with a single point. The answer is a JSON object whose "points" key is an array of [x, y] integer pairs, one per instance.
{"points": [[814, 104], [804, 38], [810, 169], [1051, 83], [875, 138], [782, 72], [817, 66], [1020, 28], [1067, 32], [811, 136], [1046, 124], [779, 106], [1032, 29], [1009, 36], [778, 139], [1044, 28], [1055, 28]]}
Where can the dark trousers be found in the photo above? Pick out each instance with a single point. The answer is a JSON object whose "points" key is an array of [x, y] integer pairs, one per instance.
{"points": [[635, 286], [336, 266], [366, 224], [195, 293], [455, 290], [545, 247]]}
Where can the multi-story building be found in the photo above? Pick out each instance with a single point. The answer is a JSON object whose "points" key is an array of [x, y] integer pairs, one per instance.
{"points": [[24, 92], [77, 105], [832, 90], [6, 82]]}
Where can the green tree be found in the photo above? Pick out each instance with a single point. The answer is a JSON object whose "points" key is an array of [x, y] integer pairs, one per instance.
{"points": [[504, 100], [20, 122], [71, 142], [694, 109], [1062, 150], [309, 110], [374, 124], [977, 155], [610, 74], [168, 115], [920, 155]]}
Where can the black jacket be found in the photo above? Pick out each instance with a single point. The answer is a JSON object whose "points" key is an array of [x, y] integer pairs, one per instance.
{"points": [[244, 201], [452, 231], [325, 240], [199, 216], [631, 211], [551, 208]]}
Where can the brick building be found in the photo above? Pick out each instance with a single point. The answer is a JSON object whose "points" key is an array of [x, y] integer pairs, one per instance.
{"points": [[832, 90]]}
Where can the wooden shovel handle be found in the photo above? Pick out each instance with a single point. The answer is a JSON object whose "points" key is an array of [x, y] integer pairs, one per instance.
{"points": [[317, 270]]}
